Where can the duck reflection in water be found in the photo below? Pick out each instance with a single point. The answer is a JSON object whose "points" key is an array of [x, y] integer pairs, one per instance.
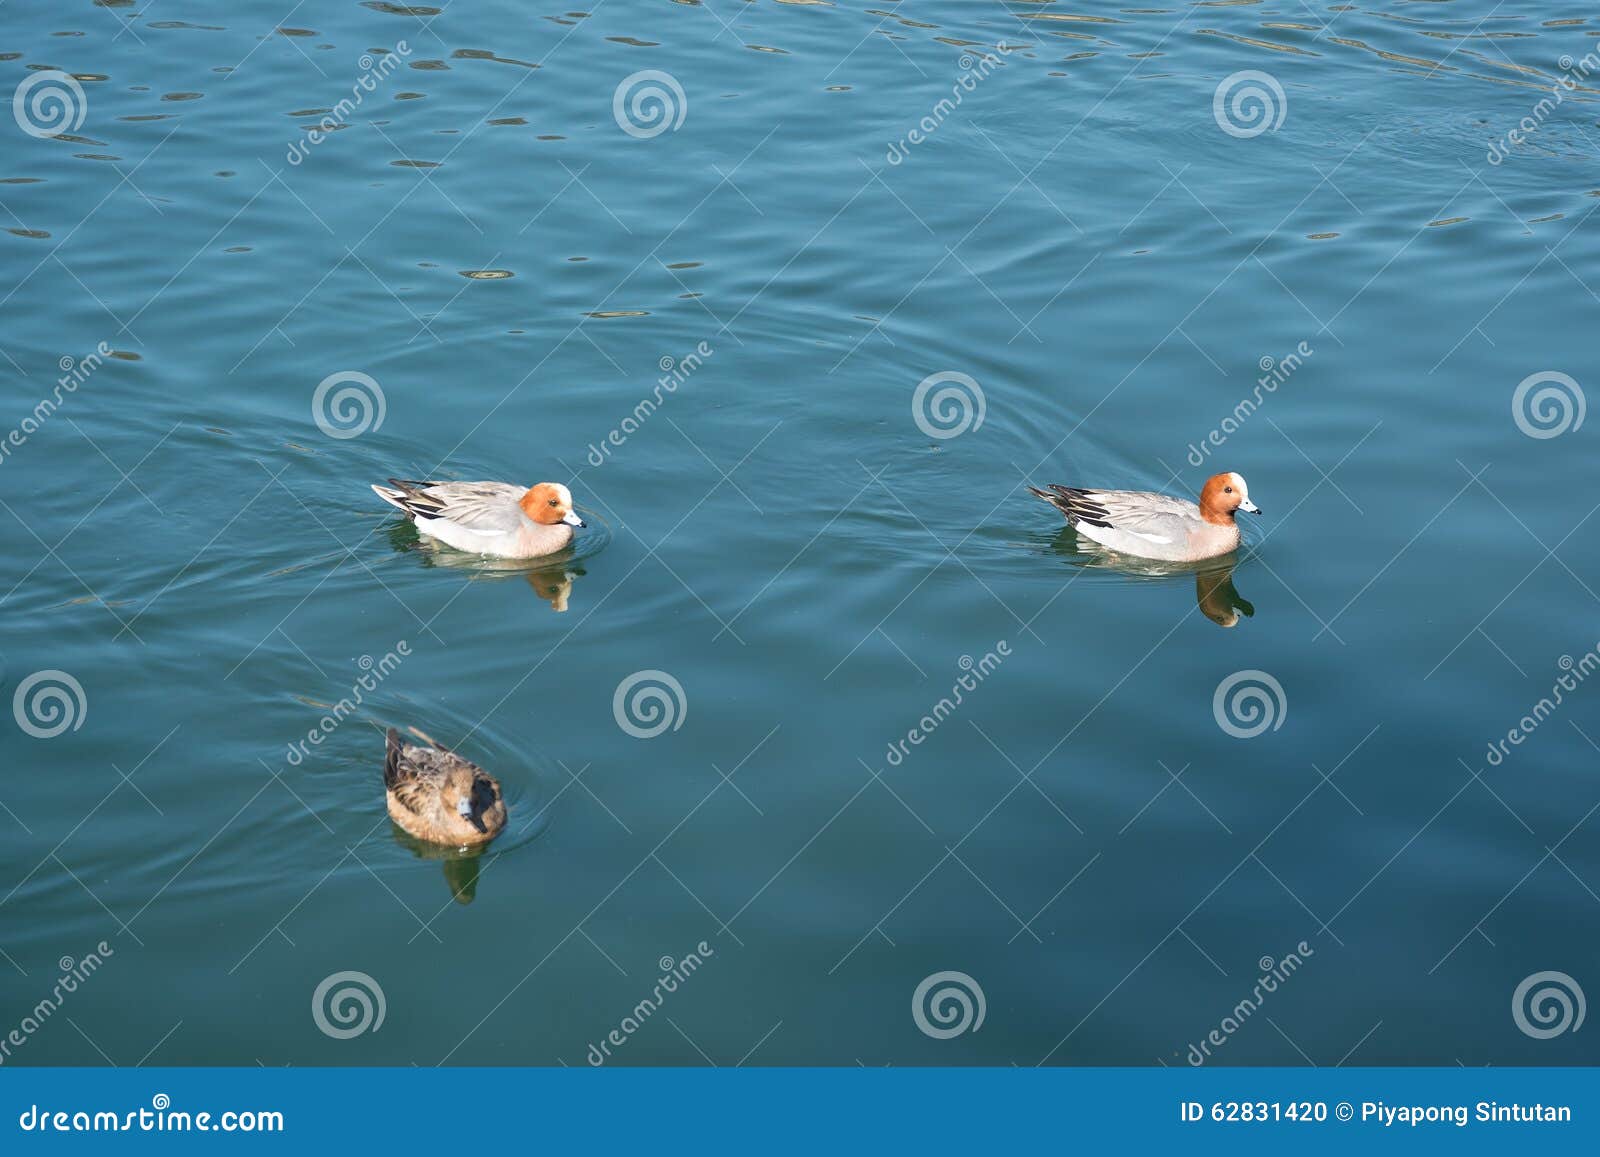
{"points": [[1219, 600], [551, 580], [553, 586], [460, 864]]}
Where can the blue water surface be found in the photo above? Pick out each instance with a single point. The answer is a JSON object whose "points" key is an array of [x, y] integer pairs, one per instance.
{"points": [[798, 298]]}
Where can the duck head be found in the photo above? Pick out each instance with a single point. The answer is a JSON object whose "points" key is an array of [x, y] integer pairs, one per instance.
{"points": [[471, 795], [1222, 495], [549, 503]]}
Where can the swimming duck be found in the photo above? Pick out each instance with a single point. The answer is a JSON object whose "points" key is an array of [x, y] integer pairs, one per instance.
{"points": [[494, 518], [437, 796], [1149, 525]]}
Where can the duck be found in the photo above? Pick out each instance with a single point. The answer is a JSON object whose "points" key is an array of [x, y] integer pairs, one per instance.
{"points": [[1149, 525], [501, 519], [437, 796]]}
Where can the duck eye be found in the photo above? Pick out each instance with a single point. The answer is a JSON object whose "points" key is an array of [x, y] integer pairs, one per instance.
{"points": [[554, 502], [1227, 490]]}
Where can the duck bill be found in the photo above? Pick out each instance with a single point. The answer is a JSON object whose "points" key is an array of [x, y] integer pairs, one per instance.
{"points": [[574, 520], [1249, 507]]}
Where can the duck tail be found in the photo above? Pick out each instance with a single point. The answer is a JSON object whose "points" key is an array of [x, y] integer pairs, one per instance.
{"points": [[408, 498], [395, 498], [391, 758], [1056, 496], [1075, 503]]}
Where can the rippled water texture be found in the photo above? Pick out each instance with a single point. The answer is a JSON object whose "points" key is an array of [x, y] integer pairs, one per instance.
{"points": [[824, 717]]}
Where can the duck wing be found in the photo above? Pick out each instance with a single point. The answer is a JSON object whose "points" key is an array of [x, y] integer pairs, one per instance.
{"points": [[409, 774], [487, 507], [1154, 517]]}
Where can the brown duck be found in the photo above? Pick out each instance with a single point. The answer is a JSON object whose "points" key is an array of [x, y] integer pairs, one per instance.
{"points": [[437, 796]]}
